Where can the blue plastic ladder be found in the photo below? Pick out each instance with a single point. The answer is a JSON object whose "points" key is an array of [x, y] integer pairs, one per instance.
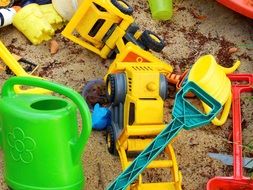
{"points": [[186, 116]]}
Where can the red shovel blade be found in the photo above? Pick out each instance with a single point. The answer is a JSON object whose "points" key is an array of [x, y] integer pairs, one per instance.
{"points": [[229, 183]]}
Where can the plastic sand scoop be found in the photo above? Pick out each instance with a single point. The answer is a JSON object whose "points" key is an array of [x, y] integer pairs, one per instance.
{"points": [[237, 181], [186, 116]]}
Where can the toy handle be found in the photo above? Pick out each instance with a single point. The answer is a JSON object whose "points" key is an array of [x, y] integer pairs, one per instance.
{"points": [[220, 121], [237, 89], [8, 91], [15, 67]]}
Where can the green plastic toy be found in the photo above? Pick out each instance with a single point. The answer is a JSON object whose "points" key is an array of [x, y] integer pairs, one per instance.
{"points": [[39, 137], [161, 9]]}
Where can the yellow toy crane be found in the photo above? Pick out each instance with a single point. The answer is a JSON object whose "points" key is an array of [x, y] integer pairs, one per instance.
{"points": [[106, 26]]}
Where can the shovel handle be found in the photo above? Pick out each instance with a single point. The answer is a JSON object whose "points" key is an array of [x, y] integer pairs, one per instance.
{"points": [[8, 91], [237, 88]]}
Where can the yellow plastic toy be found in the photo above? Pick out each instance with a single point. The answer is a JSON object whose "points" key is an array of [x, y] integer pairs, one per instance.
{"points": [[15, 67], [104, 27], [52, 17], [37, 22], [208, 74], [6, 3], [135, 54], [137, 92]]}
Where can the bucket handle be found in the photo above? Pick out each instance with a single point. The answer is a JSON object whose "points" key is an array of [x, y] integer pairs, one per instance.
{"points": [[78, 146], [223, 118]]}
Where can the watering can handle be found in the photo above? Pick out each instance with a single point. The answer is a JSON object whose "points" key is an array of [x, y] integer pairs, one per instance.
{"points": [[8, 91]]}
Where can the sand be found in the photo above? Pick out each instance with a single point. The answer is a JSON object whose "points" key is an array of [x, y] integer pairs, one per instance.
{"points": [[197, 28]]}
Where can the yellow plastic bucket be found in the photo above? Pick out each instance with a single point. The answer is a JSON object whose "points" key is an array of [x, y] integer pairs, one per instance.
{"points": [[212, 78]]}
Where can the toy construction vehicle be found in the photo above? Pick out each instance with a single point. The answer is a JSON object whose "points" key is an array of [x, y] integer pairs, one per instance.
{"points": [[137, 92], [106, 26]]}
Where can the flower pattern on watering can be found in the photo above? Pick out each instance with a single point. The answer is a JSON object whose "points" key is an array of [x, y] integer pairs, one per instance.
{"points": [[22, 146]]}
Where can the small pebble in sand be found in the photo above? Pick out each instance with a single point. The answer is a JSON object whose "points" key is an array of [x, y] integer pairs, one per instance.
{"points": [[54, 46], [232, 50]]}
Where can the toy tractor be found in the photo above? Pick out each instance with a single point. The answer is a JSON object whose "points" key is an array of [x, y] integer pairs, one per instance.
{"points": [[106, 26], [137, 92]]}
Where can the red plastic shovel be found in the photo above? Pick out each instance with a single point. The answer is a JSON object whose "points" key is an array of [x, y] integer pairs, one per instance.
{"points": [[237, 181]]}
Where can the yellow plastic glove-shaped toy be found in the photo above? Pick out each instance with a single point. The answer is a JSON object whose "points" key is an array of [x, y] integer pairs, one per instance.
{"points": [[37, 23]]}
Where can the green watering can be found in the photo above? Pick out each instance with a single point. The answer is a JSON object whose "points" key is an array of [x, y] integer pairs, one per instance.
{"points": [[39, 137]]}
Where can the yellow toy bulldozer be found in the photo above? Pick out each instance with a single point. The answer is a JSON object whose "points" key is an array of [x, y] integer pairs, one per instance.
{"points": [[137, 92]]}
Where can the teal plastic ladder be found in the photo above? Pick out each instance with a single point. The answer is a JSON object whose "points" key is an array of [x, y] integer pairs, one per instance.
{"points": [[186, 116]]}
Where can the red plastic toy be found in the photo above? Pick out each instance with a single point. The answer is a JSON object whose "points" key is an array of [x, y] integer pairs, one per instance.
{"points": [[237, 181], [244, 7]]}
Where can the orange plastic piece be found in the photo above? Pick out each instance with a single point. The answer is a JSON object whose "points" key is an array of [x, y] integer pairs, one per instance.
{"points": [[244, 7]]}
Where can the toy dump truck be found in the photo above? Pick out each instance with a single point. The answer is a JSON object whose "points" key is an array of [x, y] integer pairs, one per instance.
{"points": [[106, 26]]}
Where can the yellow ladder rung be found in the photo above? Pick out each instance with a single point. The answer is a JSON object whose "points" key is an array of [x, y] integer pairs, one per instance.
{"points": [[144, 130], [158, 164], [137, 145], [157, 186]]}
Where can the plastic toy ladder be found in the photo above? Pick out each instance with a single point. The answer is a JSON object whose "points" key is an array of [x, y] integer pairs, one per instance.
{"points": [[186, 116]]}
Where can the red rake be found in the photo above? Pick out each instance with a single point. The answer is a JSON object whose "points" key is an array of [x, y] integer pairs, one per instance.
{"points": [[237, 181]]}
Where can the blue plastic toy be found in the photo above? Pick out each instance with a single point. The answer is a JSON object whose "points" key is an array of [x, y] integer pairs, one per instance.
{"points": [[100, 117]]}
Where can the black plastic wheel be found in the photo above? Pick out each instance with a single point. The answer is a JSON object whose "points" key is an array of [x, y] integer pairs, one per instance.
{"points": [[133, 28], [110, 85], [123, 6], [152, 41], [6, 4], [116, 88], [111, 140]]}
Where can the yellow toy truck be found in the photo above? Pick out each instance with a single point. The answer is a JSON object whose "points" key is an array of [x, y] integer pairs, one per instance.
{"points": [[137, 92], [106, 26]]}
